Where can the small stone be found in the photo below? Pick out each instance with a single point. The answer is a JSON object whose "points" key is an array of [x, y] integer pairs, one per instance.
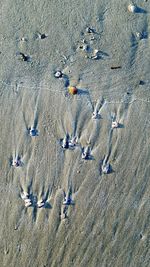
{"points": [[23, 57], [141, 236], [141, 82]]}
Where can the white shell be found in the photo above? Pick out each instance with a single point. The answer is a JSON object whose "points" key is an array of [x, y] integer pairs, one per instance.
{"points": [[15, 163], [138, 34], [24, 195], [64, 202], [33, 132], [41, 35], [114, 124], [132, 8], [95, 54], [58, 74], [141, 35], [84, 155], [28, 203], [95, 115], [67, 201], [27, 200], [40, 203], [64, 143], [85, 47], [90, 30], [73, 141], [105, 168], [23, 39]]}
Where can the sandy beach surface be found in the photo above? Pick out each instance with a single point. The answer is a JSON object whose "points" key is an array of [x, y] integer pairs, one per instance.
{"points": [[103, 50]]}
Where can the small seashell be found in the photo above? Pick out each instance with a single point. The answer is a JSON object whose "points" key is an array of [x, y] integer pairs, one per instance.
{"points": [[84, 47], [92, 38], [84, 41], [24, 39], [85, 153], [42, 36], [106, 168], [95, 115], [114, 124], [40, 203], [23, 57], [95, 54], [132, 8], [73, 142], [141, 35], [58, 74], [28, 204], [72, 90], [90, 30], [67, 201], [16, 162], [27, 200], [16, 227], [65, 142], [33, 132], [138, 35], [6, 251], [24, 195]]}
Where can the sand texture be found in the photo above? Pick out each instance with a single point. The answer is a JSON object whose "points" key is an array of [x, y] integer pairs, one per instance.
{"points": [[103, 50]]}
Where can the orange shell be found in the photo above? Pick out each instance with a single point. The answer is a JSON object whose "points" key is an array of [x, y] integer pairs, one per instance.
{"points": [[72, 90]]}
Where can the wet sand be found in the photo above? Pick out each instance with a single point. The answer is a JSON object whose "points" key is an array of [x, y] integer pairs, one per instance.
{"points": [[108, 222]]}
